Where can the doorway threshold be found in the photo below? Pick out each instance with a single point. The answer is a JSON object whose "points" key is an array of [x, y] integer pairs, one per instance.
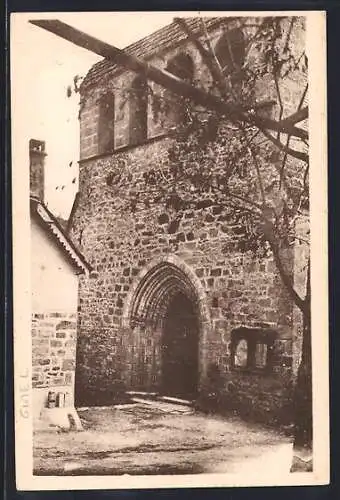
{"points": [[151, 397], [164, 406], [180, 401], [145, 394]]}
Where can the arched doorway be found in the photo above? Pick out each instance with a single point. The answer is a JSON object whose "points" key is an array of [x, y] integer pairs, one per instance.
{"points": [[166, 319], [180, 337]]}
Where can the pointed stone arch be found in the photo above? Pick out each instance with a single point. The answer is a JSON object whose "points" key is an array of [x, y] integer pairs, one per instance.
{"points": [[159, 279], [146, 315]]}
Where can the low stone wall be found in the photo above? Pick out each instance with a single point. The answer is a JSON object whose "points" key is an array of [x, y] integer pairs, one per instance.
{"points": [[255, 397], [53, 354]]}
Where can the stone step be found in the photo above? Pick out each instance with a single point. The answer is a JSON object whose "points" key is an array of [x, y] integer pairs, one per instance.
{"points": [[165, 406], [179, 401], [144, 401], [110, 407], [156, 395], [143, 394]]}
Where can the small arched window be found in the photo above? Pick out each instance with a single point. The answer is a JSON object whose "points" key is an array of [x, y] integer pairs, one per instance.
{"points": [[252, 348], [106, 124], [230, 50], [181, 66], [138, 103]]}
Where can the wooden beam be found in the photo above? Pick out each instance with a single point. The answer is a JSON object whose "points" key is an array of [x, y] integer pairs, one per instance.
{"points": [[163, 78]]}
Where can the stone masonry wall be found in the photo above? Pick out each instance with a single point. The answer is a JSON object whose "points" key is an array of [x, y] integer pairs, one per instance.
{"points": [[53, 349], [240, 289], [119, 243], [291, 89], [54, 299]]}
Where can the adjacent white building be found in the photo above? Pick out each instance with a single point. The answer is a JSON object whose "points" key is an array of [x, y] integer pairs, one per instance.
{"points": [[55, 266]]}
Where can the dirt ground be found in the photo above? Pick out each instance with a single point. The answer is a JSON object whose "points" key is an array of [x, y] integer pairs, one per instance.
{"points": [[141, 439]]}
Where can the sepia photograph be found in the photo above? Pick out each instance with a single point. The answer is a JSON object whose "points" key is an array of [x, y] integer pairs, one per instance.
{"points": [[170, 249]]}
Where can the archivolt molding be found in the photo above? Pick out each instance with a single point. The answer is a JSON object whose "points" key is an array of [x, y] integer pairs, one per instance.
{"points": [[157, 283]]}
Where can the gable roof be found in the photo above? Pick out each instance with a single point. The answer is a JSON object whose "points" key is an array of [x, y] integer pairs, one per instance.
{"points": [[58, 236], [153, 44]]}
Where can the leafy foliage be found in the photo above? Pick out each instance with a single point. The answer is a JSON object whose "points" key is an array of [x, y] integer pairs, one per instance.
{"points": [[255, 178], [235, 167]]}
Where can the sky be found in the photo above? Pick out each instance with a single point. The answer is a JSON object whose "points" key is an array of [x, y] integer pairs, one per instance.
{"points": [[42, 67]]}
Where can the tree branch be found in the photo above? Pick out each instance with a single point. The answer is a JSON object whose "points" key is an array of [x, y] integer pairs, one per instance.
{"points": [[207, 57], [301, 112], [284, 275], [164, 78], [296, 154], [298, 116], [256, 165]]}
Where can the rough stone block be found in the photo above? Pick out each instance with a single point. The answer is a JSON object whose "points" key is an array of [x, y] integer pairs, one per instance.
{"points": [[130, 241], [56, 343], [68, 364]]}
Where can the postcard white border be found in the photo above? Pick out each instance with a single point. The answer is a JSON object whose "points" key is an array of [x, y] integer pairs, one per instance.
{"points": [[316, 46]]}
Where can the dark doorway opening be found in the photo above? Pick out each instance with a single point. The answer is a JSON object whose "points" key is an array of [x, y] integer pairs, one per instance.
{"points": [[180, 348]]}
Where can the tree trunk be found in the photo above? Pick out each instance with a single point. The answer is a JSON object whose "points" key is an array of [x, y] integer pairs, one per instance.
{"points": [[303, 397]]}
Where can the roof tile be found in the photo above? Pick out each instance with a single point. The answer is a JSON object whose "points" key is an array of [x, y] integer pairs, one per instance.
{"points": [[153, 44], [52, 226]]}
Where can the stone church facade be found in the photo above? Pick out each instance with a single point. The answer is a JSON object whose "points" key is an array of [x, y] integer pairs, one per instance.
{"points": [[168, 305]]}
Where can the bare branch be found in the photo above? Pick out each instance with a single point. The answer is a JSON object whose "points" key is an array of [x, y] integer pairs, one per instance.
{"points": [[207, 56], [247, 201], [301, 113], [256, 165], [289, 32], [296, 154], [210, 47], [287, 280], [280, 100], [298, 116]]}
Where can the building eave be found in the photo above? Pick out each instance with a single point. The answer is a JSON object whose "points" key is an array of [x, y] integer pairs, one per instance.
{"points": [[58, 235]]}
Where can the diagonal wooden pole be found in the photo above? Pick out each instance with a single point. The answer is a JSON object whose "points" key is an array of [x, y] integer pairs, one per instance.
{"points": [[164, 78]]}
